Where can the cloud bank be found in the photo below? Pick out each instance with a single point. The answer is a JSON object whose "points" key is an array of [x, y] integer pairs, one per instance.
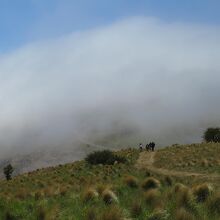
{"points": [[158, 79]]}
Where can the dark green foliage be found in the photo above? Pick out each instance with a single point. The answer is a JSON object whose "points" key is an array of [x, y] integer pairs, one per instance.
{"points": [[104, 157], [8, 170], [212, 135]]}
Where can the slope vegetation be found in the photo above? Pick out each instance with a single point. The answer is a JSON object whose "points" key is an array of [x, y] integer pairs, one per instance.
{"points": [[148, 186]]}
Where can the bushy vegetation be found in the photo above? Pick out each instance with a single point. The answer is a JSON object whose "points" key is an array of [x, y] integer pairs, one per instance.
{"points": [[8, 170], [212, 135], [104, 157]]}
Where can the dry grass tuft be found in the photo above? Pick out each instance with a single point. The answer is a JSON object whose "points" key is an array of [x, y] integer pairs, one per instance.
{"points": [[131, 181], [41, 213], [114, 213], [178, 187], [63, 190], [102, 187], [38, 195], [152, 198], [22, 194], [205, 163], [91, 214], [168, 181], [182, 214], [109, 197], [202, 192], [158, 215], [184, 197], [136, 209], [89, 195], [150, 183]]}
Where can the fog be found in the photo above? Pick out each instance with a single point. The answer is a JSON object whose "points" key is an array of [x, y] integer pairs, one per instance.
{"points": [[138, 77]]}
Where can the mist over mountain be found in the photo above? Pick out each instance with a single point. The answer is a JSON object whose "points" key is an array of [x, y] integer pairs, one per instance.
{"points": [[137, 79]]}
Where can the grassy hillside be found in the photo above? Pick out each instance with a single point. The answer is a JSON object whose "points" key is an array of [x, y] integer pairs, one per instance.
{"points": [[204, 158], [112, 192]]}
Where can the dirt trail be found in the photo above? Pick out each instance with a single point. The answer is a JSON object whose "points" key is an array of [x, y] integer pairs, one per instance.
{"points": [[146, 161]]}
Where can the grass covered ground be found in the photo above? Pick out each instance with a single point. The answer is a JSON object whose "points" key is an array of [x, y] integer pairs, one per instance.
{"points": [[203, 158], [113, 192]]}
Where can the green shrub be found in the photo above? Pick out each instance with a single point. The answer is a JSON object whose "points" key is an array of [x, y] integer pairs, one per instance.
{"points": [[212, 135], [104, 157], [8, 170]]}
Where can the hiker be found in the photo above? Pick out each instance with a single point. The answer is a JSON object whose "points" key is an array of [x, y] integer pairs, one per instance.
{"points": [[141, 146], [152, 146], [147, 147]]}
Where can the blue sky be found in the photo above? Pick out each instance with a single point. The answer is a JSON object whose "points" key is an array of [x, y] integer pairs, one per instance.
{"points": [[24, 21]]}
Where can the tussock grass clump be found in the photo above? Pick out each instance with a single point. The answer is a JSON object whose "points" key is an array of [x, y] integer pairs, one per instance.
{"points": [[182, 214], [22, 194], [159, 215], [205, 163], [109, 197], [202, 192], [136, 209], [89, 195], [41, 213], [63, 190], [48, 192], [152, 198], [184, 197], [101, 188], [213, 204], [150, 183], [114, 213], [178, 187], [38, 195], [168, 181], [131, 181]]}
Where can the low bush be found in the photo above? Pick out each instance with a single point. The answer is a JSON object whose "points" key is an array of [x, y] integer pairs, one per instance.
{"points": [[104, 157]]}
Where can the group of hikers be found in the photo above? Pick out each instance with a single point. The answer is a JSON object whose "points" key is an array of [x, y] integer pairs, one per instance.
{"points": [[148, 147]]}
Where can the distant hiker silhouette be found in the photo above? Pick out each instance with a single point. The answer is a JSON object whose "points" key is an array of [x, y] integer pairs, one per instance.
{"points": [[147, 147], [140, 146], [152, 146]]}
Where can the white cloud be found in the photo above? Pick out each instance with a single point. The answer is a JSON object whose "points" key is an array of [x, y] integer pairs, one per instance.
{"points": [[162, 78]]}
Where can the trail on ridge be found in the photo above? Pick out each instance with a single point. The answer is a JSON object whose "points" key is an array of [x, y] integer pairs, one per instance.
{"points": [[146, 161]]}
